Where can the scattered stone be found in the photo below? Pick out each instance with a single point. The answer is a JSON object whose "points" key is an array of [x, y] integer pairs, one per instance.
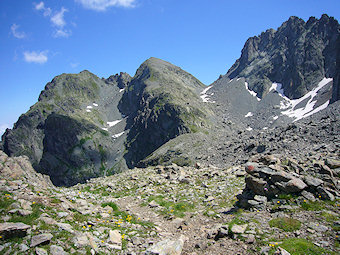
{"points": [[57, 250], [239, 229], [332, 163], [41, 239], [40, 251], [62, 214], [65, 226], [281, 251], [308, 195], [115, 240], [23, 247], [153, 204], [81, 240], [173, 247]]}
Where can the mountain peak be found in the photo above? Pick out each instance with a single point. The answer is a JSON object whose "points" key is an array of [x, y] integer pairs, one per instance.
{"points": [[293, 56]]}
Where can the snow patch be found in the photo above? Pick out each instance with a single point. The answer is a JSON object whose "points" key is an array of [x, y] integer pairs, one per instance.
{"points": [[118, 135], [278, 88], [251, 92], [204, 96], [249, 114], [113, 123], [249, 129], [94, 104], [308, 109], [275, 117]]}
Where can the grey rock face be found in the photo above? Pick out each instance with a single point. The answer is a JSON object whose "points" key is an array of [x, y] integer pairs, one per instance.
{"points": [[298, 55], [336, 82]]}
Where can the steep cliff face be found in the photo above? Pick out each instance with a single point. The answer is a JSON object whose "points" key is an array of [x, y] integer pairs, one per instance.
{"points": [[298, 55], [336, 82], [162, 102], [65, 134]]}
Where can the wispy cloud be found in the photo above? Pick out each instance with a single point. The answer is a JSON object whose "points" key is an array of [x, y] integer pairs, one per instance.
{"points": [[36, 57], [41, 7], [62, 33], [57, 19], [74, 64], [16, 33], [102, 5]]}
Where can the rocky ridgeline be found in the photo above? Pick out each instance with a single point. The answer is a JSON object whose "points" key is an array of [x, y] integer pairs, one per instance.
{"points": [[174, 210]]}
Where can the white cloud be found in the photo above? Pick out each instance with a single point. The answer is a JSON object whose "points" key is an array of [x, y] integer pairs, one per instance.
{"points": [[16, 33], [35, 57], [41, 7], [62, 33], [74, 64], [3, 128], [58, 18], [102, 5]]}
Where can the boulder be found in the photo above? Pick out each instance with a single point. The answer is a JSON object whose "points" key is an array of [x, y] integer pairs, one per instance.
{"points": [[115, 240], [8, 230], [239, 229], [332, 163], [57, 250], [295, 185], [41, 239], [167, 247]]}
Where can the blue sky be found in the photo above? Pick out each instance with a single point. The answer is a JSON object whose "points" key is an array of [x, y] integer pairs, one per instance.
{"points": [[42, 39]]}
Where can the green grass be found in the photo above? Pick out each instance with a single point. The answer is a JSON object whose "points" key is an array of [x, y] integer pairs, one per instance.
{"points": [[234, 221], [285, 223], [37, 210], [298, 246], [112, 205], [329, 217], [176, 208], [312, 206]]}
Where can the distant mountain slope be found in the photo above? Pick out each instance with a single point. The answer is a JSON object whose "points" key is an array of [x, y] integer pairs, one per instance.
{"points": [[162, 102], [298, 55], [67, 133], [84, 127]]}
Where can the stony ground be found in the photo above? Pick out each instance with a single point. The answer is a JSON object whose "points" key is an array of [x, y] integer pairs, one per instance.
{"points": [[158, 210]]}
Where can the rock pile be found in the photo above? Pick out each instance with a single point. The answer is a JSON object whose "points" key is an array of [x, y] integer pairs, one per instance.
{"points": [[268, 178]]}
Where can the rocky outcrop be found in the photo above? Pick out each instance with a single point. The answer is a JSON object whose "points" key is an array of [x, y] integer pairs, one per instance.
{"points": [[298, 55], [267, 179]]}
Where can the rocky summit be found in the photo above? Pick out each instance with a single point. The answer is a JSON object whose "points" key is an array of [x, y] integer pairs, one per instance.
{"points": [[159, 163]]}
